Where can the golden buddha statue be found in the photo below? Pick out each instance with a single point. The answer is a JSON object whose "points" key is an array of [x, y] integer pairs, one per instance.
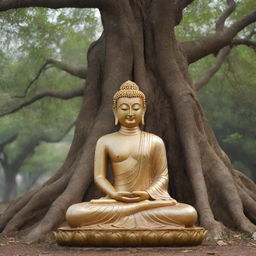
{"points": [[138, 198]]}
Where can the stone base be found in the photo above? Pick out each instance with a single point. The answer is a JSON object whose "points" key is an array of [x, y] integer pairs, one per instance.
{"points": [[120, 237]]}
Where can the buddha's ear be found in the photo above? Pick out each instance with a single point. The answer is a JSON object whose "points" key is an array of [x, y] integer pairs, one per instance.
{"points": [[143, 119], [115, 115]]}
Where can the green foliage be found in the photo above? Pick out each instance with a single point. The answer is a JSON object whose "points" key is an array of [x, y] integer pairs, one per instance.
{"points": [[50, 157], [199, 19], [31, 36], [229, 102], [47, 158], [229, 97], [28, 38]]}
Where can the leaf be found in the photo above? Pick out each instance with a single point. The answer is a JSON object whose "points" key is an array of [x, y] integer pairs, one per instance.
{"points": [[221, 243]]}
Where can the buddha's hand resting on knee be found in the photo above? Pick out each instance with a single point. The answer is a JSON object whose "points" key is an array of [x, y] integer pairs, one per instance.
{"points": [[172, 201]]}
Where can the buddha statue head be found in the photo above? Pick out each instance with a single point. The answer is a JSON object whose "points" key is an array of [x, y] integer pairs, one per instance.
{"points": [[129, 105]]}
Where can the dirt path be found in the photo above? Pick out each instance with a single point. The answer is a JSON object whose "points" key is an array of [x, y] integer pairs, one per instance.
{"points": [[237, 246]]}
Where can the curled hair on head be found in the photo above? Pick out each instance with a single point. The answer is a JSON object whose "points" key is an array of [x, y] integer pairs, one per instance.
{"points": [[129, 89]]}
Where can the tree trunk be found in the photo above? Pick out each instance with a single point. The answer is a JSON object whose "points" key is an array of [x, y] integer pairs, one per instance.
{"points": [[10, 187], [139, 44]]}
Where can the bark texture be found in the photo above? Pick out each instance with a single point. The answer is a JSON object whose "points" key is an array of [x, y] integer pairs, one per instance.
{"points": [[138, 43]]}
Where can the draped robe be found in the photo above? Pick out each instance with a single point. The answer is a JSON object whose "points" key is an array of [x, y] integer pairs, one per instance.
{"points": [[147, 172]]}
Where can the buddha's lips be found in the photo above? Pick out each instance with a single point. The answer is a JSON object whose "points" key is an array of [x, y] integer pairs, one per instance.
{"points": [[130, 118]]}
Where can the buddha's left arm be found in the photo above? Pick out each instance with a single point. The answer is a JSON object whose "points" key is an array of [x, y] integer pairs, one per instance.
{"points": [[159, 186]]}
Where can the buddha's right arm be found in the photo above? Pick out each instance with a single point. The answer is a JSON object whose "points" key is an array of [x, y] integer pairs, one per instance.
{"points": [[100, 168]]}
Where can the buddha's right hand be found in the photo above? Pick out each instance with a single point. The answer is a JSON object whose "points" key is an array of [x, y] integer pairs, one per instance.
{"points": [[124, 196]]}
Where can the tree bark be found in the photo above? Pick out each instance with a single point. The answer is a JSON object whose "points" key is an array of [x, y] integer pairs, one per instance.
{"points": [[139, 44], [64, 95], [10, 187]]}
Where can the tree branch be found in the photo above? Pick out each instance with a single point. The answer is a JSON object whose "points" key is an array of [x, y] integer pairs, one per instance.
{"points": [[49, 93], [25, 152], [8, 141], [3, 155], [28, 149], [222, 56], [221, 21], [54, 140], [43, 68], [184, 3], [80, 72], [4, 161], [247, 42], [252, 33], [54, 4], [223, 53], [197, 49], [180, 6]]}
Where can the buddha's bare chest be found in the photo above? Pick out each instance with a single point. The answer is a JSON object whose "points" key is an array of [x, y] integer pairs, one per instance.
{"points": [[122, 149]]}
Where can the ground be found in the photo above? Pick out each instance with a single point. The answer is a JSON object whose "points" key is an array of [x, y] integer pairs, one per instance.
{"points": [[236, 244]]}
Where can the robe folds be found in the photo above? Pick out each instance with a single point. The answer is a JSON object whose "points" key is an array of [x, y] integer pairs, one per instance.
{"points": [[148, 172]]}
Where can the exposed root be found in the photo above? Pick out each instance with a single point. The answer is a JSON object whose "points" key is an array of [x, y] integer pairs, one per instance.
{"points": [[42, 198], [249, 205], [242, 186], [215, 229], [14, 207], [229, 199], [249, 184]]}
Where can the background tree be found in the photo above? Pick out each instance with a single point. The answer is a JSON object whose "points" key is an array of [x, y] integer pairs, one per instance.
{"points": [[16, 149], [229, 102], [139, 43], [20, 138], [22, 134], [229, 97], [47, 158]]}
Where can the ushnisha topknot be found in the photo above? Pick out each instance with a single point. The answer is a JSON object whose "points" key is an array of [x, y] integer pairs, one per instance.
{"points": [[129, 89]]}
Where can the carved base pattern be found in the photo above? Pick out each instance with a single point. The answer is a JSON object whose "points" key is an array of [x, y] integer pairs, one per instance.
{"points": [[170, 237]]}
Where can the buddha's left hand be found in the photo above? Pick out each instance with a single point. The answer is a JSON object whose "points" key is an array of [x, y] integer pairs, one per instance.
{"points": [[143, 195]]}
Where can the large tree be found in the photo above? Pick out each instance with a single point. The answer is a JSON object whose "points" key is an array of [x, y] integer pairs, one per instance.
{"points": [[139, 43], [14, 159]]}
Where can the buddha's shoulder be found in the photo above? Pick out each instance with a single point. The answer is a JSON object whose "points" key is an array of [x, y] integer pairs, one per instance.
{"points": [[154, 138], [107, 137]]}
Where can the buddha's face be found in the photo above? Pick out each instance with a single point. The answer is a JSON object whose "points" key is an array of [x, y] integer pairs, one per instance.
{"points": [[129, 111]]}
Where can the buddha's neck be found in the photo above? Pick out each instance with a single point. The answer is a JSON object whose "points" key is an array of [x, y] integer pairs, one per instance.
{"points": [[129, 131]]}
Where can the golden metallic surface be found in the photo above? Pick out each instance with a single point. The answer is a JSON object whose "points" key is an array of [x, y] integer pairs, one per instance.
{"points": [[129, 90], [138, 199], [168, 237]]}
